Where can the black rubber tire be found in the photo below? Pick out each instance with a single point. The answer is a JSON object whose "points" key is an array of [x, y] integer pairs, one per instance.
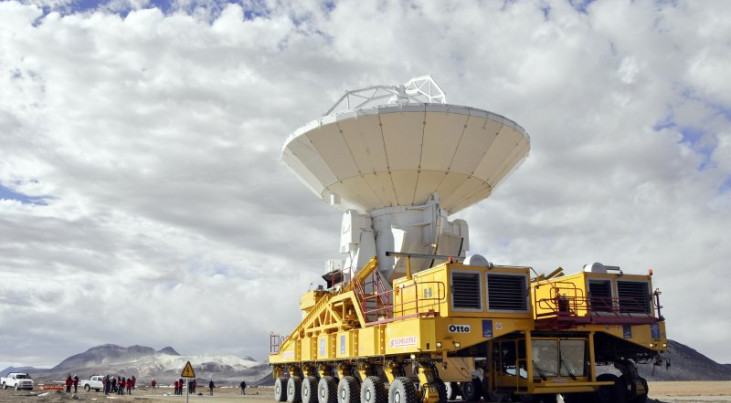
{"points": [[373, 391], [607, 393], [442, 390], [294, 389], [578, 397], [309, 390], [348, 390], [472, 390], [87, 388], [327, 390], [643, 398], [280, 389], [452, 389], [402, 391], [546, 398]]}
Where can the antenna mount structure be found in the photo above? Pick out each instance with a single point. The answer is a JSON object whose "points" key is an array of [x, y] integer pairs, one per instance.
{"points": [[398, 161]]}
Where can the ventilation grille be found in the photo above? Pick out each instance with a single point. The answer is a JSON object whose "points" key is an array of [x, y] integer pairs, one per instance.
{"points": [[634, 297], [600, 296], [466, 291], [506, 292]]}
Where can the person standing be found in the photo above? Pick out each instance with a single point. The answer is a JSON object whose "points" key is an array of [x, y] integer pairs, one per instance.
{"points": [[177, 385], [107, 384], [243, 387], [195, 384], [69, 382], [211, 386], [76, 383], [153, 385]]}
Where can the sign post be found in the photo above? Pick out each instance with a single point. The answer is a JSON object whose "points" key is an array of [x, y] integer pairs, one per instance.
{"points": [[187, 373]]}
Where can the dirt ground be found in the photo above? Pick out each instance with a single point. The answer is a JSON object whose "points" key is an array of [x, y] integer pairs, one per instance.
{"points": [[660, 392]]}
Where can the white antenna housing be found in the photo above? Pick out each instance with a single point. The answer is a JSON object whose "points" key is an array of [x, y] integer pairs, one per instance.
{"points": [[399, 160]]}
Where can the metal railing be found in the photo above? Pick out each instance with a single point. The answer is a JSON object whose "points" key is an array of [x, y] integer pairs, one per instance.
{"points": [[380, 306], [567, 303]]}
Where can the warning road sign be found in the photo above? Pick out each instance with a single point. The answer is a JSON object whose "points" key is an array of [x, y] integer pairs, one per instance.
{"points": [[188, 371]]}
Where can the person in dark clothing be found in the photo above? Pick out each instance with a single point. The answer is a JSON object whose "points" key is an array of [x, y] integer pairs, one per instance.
{"points": [[211, 386], [69, 382], [107, 384], [243, 387], [76, 383]]}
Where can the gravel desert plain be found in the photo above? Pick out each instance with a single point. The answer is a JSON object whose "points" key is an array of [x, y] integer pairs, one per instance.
{"points": [[660, 392]]}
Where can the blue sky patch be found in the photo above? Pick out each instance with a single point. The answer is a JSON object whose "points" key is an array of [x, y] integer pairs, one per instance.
{"points": [[9, 194], [252, 9], [699, 141], [580, 5], [725, 186]]}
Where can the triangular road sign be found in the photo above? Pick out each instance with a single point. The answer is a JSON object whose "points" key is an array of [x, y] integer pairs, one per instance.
{"points": [[188, 371]]}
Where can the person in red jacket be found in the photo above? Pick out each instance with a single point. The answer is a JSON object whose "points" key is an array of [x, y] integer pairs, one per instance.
{"points": [[176, 387], [69, 382]]}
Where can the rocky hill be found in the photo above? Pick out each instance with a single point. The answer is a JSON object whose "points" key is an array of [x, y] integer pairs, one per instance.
{"points": [[686, 364]]}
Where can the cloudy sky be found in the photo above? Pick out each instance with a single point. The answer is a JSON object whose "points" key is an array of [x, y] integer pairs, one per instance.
{"points": [[143, 200]]}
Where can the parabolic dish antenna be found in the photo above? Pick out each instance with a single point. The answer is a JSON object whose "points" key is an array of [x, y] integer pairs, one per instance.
{"points": [[399, 145]]}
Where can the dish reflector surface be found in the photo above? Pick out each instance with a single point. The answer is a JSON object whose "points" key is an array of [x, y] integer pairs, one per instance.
{"points": [[399, 155]]}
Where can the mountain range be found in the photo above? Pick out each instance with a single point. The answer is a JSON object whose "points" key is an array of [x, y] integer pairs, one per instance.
{"points": [[166, 365], [146, 363]]}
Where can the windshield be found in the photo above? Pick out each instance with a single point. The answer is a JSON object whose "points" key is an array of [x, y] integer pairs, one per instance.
{"points": [[552, 357], [545, 358], [572, 356]]}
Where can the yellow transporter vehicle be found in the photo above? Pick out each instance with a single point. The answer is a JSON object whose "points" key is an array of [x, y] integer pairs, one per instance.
{"points": [[407, 315], [454, 321]]}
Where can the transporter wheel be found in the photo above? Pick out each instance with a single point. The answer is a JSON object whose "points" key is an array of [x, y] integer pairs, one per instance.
{"points": [[609, 393], [327, 390], [280, 389], [373, 391], [402, 391], [87, 387], [577, 397], [643, 397], [452, 390], [542, 398], [309, 390], [294, 389], [348, 390], [442, 391], [471, 391]]}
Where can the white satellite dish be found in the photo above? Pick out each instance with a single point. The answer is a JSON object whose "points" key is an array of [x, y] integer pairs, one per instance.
{"points": [[393, 147]]}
